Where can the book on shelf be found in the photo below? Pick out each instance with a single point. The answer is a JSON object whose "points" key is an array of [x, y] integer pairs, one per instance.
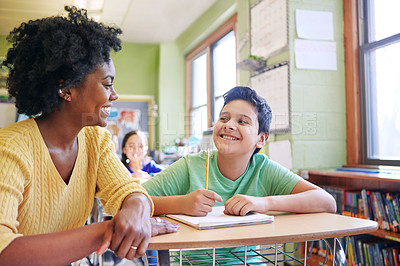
{"points": [[379, 206], [372, 251], [217, 219]]}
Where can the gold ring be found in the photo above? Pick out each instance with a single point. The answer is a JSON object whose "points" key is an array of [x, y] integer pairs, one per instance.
{"points": [[133, 247]]}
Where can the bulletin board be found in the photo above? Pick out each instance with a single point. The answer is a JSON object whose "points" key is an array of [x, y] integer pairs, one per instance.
{"points": [[268, 27], [272, 83], [131, 112]]}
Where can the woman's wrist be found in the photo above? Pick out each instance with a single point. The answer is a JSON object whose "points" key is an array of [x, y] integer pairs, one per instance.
{"points": [[139, 201]]}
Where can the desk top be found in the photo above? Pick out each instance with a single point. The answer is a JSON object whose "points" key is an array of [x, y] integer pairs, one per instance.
{"points": [[285, 228]]}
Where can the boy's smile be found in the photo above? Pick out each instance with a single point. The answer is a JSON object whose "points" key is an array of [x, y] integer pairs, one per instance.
{"points": [[236, 131]]}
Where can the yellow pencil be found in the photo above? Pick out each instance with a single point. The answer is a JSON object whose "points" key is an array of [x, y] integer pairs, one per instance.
{"points": [[207, 163], [137, 163]]}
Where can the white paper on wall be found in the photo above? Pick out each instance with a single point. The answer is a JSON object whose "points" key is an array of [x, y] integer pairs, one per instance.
{"points": [[315, 54], [281, 152], [314, 25]]}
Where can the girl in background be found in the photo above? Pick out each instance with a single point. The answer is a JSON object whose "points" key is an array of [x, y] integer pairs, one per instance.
{"points": [[134, 156], [134, 152]]}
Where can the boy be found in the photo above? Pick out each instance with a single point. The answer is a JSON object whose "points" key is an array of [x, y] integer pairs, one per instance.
{"points": [[239, 177]]}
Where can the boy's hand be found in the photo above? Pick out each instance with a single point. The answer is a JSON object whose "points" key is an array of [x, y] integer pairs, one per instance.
{"points": [[242, 204], [200, 202], [161, 226]]}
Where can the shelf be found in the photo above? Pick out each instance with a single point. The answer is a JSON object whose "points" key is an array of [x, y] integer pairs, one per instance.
{"points": [[251, 64], [353, 181], [387, 235]]}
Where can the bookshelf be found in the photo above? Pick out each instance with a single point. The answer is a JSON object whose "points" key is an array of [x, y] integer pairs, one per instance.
{"points": [[353, 181]]}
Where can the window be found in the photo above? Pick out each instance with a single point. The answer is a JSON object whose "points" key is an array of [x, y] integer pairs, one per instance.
{"points": [[372, 44], [210, 72], [380, 81]]}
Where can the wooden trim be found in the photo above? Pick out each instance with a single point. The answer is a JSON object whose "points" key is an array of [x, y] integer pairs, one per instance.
{"points": [[355, 181], [209, 86], [188, 100], [353, 116], [229, 25]]}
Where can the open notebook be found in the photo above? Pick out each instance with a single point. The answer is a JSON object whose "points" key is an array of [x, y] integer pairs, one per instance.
{"points": [[217, 219]]}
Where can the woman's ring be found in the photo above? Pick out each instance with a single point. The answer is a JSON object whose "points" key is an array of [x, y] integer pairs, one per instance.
{"points": [[133, 247], [158, 220]]}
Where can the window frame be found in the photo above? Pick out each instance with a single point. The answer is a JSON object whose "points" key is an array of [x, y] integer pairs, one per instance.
{"points": [[355, 49], [206, 45]]}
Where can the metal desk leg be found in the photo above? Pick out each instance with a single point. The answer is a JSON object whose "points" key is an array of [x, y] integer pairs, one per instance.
{"points": [[339, 256], [163, 258]]}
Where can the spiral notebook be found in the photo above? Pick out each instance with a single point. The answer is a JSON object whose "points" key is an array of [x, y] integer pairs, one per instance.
{"points": [[217, 219]]}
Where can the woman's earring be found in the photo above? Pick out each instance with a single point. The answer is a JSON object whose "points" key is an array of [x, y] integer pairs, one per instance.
{"points": [[68, 99], [127, 160]]}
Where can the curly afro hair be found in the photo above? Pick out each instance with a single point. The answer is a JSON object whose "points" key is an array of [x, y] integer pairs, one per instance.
{"points": [[52, 53]]}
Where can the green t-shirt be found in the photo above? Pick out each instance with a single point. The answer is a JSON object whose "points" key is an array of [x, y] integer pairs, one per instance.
{"points": [[262, 177]]}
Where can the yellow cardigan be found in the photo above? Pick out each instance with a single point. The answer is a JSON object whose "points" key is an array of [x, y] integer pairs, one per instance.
{"points": [[34, 199]]}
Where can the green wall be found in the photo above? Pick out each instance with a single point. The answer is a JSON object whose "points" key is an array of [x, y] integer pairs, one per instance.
{"points": [[4, 45], [171, 95], [317, 98], [136, 72], [136, 67]]}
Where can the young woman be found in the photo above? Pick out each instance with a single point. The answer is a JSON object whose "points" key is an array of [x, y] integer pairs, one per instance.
{"points": [[54, 164]]}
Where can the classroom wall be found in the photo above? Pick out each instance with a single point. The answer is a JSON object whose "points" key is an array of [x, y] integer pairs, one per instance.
{"points": [[4, 45], [171, 95], [318, 135], [137, 73], [317, 102]]}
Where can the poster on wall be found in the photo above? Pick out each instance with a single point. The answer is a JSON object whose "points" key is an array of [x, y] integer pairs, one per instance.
{"points": [[273, 85], [268, 27], [130, 112]]}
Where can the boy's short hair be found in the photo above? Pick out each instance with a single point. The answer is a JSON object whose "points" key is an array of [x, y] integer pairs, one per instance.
{"points": [[264, 113]]}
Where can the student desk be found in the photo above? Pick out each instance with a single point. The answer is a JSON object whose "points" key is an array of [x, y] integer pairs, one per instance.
{"points": [[285, 228]]}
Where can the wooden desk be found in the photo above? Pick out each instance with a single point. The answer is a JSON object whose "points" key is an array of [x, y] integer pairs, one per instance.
{"points": [[285, 228]]}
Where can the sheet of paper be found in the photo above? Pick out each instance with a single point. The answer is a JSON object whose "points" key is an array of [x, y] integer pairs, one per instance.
{"points": [[217, 219], [314, 25], [281, 152], [315, 54]]}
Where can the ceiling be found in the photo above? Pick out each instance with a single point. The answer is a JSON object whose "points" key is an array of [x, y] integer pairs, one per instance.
{"points": [[142, 21]]}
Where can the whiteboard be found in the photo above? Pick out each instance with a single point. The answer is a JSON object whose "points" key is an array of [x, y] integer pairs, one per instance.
{"points": [[268, 27], [273, 85]]}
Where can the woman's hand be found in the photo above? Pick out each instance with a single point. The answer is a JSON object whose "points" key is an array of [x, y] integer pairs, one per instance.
{"points": [[200, 202], [132, 227], [160, 227], [242, 204]]}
